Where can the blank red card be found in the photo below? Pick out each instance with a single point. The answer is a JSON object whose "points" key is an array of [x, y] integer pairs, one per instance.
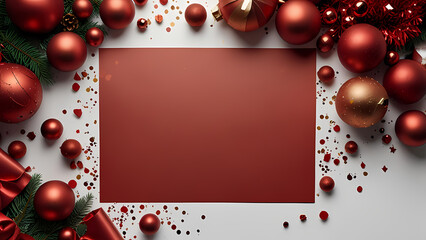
{"points": [[207, 125]]}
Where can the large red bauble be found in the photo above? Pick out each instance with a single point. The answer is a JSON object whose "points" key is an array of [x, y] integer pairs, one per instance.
{"points": [[82, 8], [35, 16], [66, 51], [361, 48], [68, 233], [410, 128], [54, 201], [52, 129], [246, 15], [361, 102], [149, 224], [71, 149], [117, 14], [195, 15], [406, 81], [326, 184], [94, 37], [17, 149], [298, 22], [20, 93]]}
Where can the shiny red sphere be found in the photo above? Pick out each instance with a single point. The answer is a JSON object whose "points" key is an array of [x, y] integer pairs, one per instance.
{"points": [[54, 201], [195, 15], [71, 149], [360, 9], [66, 51], [142, 24], [410, 128], [326, 184], [140, 2], [351, 147], [326, 74], [68, 233], [82, 8], [325, 43], [94, 37], [391, 58], [117, 14], [329, 16], [52, 129], [17, 149], [149, 224]]}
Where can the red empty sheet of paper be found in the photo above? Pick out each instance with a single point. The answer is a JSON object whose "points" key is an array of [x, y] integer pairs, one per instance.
{"points": [[207, 125]]}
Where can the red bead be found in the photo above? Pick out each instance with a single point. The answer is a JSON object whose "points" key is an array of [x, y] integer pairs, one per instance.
{"points": [[351, 147], [17, 149], [329, 16], [149, 224], [360, 9], [386, 139], [325, 43], [142, 23], [326, 184], [326, 74], [323, 215], [391, 58]]}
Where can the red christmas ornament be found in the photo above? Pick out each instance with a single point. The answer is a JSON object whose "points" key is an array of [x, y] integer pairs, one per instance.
{"points": [[17, 149], [82, 8], [94, 37], [195, 15], [360, 9], [117, 14], [391, 58], [20, 93], [52, 129], [361, 48], [326, 184], [149, 224], [68, 233], [67, 51], [142, 24], [410, 128], [71, 149], [54, 201], [325, 43], [406, 81], [298, 22], [329, 16], [245, 15], [140, 2], [326, 74], [40, 16], [351, 147]]}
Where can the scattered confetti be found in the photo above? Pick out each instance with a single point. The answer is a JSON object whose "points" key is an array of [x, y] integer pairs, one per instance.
{"points": [[31, 136], [323, 215], [75, 87], [78, 112]]}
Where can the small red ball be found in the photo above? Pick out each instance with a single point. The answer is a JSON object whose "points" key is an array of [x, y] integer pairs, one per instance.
{"points": [[71, 149], [360, 9], [195, 15], [94, 37], [351, 147], [54, 201], [140, 2], [391, 58], [67, 233], [410, 128], [149, 224], [82, 8], [326, 74], [326, 184], [329, 16], [17, 149], [142, 24], [323, 215], [52, 129], [325, 43]]}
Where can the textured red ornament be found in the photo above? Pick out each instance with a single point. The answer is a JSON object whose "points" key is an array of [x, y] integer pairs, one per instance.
{"points": [[195, 15], [142, 24], [298, 22], [117, 14], [406, 81], [82, 8], [100, 226], [20, 93], [67, 51], [361, 48], [71, 149], [54, 201], [149, 224], [140, 2], [325, 43], [326, 184], [245, 15], [326, 74], [17, 149], [351, 147], [68, 233], [329, 16], [94, 37], [40, 16], [52, 129], [410, 128], [391, 58]]}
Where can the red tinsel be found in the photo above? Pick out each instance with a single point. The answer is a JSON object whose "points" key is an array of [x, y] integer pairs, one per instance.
{"points": [[399, 20]]}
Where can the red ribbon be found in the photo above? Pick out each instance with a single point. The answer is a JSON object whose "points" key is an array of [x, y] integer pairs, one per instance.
{"points": [[13, 179], [100, 227], [8, 228]]}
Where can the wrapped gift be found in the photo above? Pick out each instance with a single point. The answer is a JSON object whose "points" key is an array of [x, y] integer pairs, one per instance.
{"points": [[100, 226]]}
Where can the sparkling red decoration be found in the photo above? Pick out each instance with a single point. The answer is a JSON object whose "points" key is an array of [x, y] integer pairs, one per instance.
{"points": [[351, 147], [391, 58], [326, 74], [410, 128], [52, 129], [149, 224], [406, 81], [71, 149], [329, 16], [20, 93], [326, 184], [40, 16], [82, 8], [361, 102], [94, 37], [142, 24], [325, 43], [386, 139], [66, 51], [360, 9], [17, 149], [117, 14], [140, 2], [298, 22], [54, 201], [68, 233], [323, 215], [195, 15]]}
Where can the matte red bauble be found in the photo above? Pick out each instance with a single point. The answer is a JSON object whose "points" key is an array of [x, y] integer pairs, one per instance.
{"points": [[298, 22], [82, 8], [391, 58], [20, 93], [410, 128], [406, 81], [326, 74], [361, 48], [17, 149], [149, 224], [54, 201], [35, 16], [361, 102], [71, 149], [140, 2], [52, 129], [66, 51], [325, 43], [326, 184], [351, 147], [195, 15], [117, 14], [245, 15], [68, 233], [94, 37]]}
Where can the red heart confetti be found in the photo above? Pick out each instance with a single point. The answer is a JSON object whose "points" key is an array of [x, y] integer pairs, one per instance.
{"points": [[78, 112]]}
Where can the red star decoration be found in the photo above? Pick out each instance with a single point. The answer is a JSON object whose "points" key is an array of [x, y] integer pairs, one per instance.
{"points": [[385, 169], [392, 149]]}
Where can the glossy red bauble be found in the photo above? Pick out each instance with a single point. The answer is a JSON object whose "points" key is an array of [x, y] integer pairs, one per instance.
{"points": [[52, 129], [17, 149], [54, 201], [94, 37], [325, 43], [329, 16], [391, 58], [68, 233], [326, 184], [82, 8], [117, 14], [410, 128], [326, 74], [71, 149], [195, 15], [142, 24], [149, 224], [66, 51], [351, 147]]}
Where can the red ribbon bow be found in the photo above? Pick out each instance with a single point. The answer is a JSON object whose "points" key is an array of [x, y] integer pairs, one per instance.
{"points": [[8, 228], [100, 227]]}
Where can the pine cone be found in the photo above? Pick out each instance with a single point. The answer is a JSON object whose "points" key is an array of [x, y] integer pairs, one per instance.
{"points": [[70, 22]]}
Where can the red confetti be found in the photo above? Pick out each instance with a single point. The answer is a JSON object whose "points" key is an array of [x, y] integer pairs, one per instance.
{"points": [[362, 165], [78, 112], [159, 18], [84, 74], [75, 87], [77, 77], [168, 29], [359, 189], [336, 162], [72, 184], [303, 217], [392, 149], [124, 209], [28, 169], [31, 136], [327, 157], [385, 169], [158, 212], [323, 215], [86, 170], [322, 141], [164, 2], [80, 164], [285, 224], [337, 128], [73, 165], [386, 139]]}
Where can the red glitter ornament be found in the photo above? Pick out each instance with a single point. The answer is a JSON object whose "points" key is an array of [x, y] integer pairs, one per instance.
{"points": [[17, 149], [326, 184], [351, 147], [142, 24], [325, 43], [410, 128], [326, 74], [52, 129], [71, 149], [149, 224], [329, 16], [391, 58], [195, 15], [323, 215]]}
